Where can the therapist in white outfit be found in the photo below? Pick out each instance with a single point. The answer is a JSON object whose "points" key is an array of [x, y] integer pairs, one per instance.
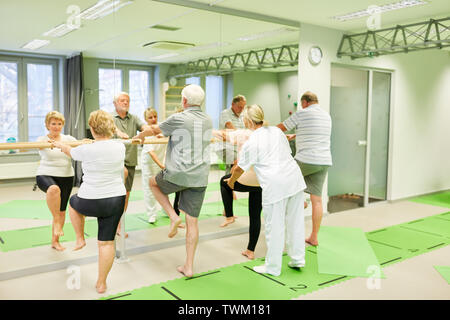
{"points": [[281, 180], [152, 160]]}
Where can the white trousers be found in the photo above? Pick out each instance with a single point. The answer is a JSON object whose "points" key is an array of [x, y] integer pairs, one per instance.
{"points": [[149, 169], [282, 218]]}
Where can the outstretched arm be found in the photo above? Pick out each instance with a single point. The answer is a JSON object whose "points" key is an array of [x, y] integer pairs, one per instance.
{"points": [[148, 131], [64, 147]]}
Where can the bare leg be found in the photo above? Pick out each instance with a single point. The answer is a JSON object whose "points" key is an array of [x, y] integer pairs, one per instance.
{"points": [[106, 252], [163, 200], [53, 197], [191, 246], [125, 176], [317, 212], [124, 210], [78, 225]]}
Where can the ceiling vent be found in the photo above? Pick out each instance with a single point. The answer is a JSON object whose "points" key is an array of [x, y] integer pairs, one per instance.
{"points": [[168, 45], [166, 28]]}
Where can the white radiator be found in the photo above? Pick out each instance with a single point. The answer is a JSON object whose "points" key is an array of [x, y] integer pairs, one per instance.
{"points": [[18, 170]]}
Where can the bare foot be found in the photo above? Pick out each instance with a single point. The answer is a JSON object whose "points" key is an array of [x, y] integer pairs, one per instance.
{"points": [[174, 227], [228, 221], [312, 241], [249, 254], [57, 246], [101, 287], [181, 226], [79, 245], [185, 272]]}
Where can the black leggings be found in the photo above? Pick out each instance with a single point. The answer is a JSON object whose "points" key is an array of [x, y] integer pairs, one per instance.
{"points": [[254, 207], [107, 210], [65, 185]]}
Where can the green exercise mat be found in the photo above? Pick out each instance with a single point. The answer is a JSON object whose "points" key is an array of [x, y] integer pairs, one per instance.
{"points": [[346, 251], [25, 209], [239, 282], [441, 199], [386, 254], [444, 271], [433, 225], [411, 241]]}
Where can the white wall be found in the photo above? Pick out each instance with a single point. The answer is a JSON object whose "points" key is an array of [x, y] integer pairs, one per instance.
{"points": [[260, 88], [420, 137]]}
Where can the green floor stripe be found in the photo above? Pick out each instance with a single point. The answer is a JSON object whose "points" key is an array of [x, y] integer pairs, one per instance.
{"points": [[345, 251], [390, 245], [444, 271], [441, 199]]}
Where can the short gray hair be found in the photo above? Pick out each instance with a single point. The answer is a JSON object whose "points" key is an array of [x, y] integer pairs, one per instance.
{"points": [[123, 93], [194, 95]]}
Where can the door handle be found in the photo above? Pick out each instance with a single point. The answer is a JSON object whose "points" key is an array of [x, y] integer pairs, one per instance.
{"points": [[362, 143]]}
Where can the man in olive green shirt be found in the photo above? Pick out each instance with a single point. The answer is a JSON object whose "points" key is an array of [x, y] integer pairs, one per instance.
{"points": [[127, 125]]}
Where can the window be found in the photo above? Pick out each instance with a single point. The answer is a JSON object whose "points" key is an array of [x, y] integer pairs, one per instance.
{"points": [[8, 101], [110, 84], [193, 80], [28, 91], [214, 98], [134, 79]]}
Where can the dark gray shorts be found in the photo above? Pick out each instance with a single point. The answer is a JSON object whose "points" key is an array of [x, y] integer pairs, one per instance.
{"points": [[191, 198], [314, 176]]}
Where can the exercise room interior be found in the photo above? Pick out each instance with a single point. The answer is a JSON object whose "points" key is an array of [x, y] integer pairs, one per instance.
{"points": [[380, 70]]}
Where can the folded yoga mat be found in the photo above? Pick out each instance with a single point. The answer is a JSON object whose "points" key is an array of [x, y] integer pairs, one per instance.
{"points": [[346, 251], [444, 271], [441, 199]]}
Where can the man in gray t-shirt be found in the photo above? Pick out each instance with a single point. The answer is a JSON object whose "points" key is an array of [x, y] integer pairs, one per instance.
{"points": [[230, 118], [187, 166]]}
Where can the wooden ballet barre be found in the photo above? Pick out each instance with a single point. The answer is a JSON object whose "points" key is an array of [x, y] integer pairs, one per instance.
{"points": [[44, 145]]}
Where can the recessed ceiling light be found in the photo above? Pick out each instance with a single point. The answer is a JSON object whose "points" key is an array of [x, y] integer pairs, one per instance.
{"points": [[379, 9], [267, 34], [102, 8], [35, 44], [164, 56], [59, 31]]}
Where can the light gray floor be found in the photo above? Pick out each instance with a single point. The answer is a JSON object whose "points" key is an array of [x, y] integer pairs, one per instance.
{"points": [[414, 278]]}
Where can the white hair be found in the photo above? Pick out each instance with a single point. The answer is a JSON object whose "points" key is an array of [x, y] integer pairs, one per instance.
{"points": [[194, 95], [123, 93]]}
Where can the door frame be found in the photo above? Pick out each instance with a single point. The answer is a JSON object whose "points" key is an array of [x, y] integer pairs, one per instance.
{"points": [[389, 172]]}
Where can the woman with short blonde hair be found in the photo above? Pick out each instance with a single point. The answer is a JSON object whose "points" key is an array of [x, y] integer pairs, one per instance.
{"points": [[102, 192], [55, 174], [102, 123]]}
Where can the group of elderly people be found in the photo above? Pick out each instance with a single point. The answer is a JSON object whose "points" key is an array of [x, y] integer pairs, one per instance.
{"points": [[258, 158]]}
